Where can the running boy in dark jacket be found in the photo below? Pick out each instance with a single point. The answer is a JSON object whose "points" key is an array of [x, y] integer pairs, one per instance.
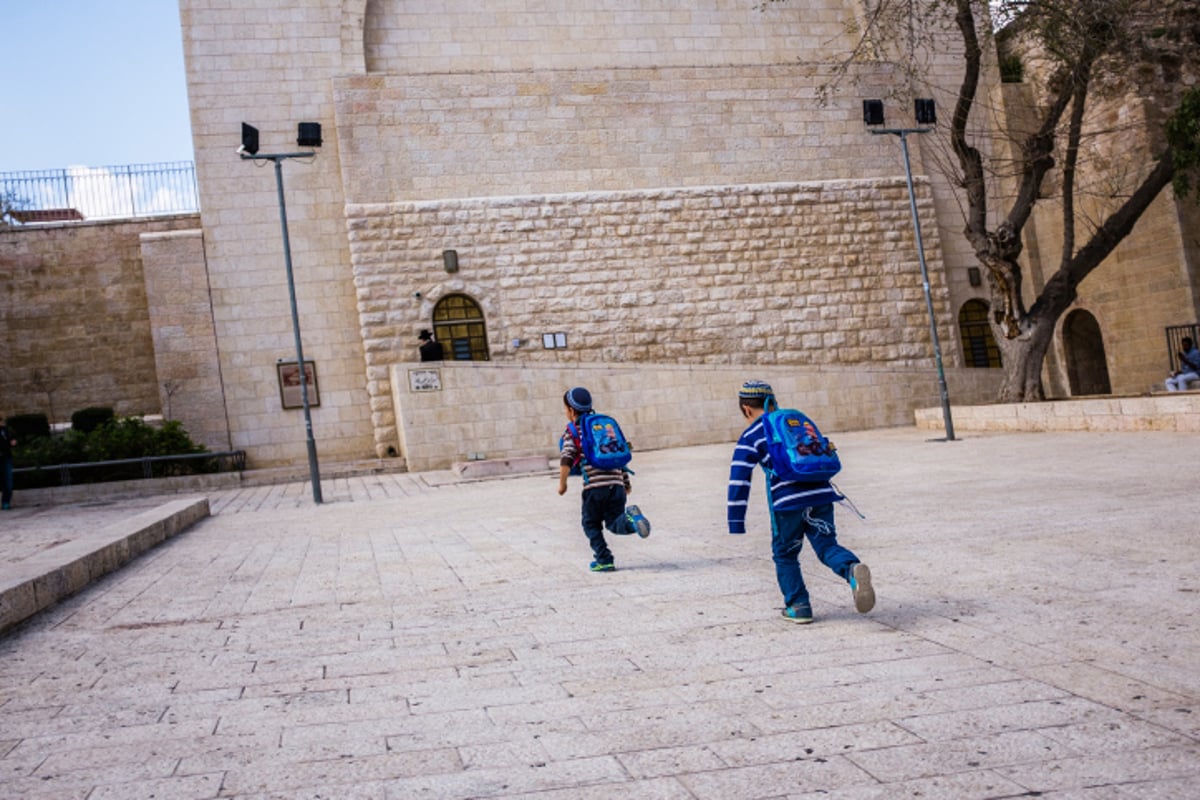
{"points": [[797, 510], [604, 490]]}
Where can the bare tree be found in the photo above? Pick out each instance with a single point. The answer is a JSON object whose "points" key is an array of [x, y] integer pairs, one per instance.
{"points": [[1090, 50], [1081, 57]]}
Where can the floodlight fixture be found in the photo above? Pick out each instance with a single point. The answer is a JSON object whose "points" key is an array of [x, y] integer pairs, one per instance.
{"points": [[249, 139], [873, 112], [308, 134], [924, 111]]}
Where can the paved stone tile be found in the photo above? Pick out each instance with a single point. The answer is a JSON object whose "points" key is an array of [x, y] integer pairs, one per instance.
{"points": [[972, 785], [775, 780], [1111, 769], [420, 637], [952, 757]]}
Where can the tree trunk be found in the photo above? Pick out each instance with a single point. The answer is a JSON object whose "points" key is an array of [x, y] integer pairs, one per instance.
{"points": [[1022, 360]]}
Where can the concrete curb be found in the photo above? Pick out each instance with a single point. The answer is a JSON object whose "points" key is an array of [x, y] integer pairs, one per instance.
{"points": [[51, 575]]}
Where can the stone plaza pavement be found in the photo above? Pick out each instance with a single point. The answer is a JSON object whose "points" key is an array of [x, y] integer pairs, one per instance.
{"points": [[419, 637]]}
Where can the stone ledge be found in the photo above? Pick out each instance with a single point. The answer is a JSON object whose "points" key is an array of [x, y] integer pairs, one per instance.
{"points": [[497, 467], [212, 482], [1177, 411], [51, 575]]}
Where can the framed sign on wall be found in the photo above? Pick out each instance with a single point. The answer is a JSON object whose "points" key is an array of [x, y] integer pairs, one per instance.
{"points": [[290, 387]]}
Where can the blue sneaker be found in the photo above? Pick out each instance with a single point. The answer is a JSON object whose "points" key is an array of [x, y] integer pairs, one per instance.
{"points": [[800, 613], [638, 520], [860, 585], [597, 566]]}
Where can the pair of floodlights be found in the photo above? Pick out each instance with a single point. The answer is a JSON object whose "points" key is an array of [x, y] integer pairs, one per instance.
{"points": [[923, 110], [308, 134]]}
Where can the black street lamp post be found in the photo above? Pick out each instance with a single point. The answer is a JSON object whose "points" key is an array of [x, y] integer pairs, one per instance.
{"points": [[309, 136], [925, 114]]}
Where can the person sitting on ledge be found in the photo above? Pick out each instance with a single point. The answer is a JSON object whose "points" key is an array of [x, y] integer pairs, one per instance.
{"points": [[1189, 367]]}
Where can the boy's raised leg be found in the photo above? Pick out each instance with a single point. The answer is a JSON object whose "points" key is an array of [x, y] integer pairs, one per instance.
{"points": [[860, 585], [638, 521]]}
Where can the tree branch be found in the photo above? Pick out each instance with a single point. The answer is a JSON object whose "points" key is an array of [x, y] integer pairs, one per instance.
{"points": [[1121, 222], [1070, 164]]}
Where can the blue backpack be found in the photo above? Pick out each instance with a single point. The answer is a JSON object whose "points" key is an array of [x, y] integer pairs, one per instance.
{"points": [[602, 443], [798, 450]]}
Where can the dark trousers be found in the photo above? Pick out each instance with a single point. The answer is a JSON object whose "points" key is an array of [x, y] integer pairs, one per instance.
{"points": [[6, 479], [604, 507]]}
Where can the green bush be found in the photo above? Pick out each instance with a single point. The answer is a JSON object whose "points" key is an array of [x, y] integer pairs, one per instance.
{"points": [[25, 427], [130, 437], [47, 451], [86, 420], [114, 440]]}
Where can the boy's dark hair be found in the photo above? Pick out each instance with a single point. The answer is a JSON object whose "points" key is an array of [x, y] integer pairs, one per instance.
{"points": [[752, 402]]}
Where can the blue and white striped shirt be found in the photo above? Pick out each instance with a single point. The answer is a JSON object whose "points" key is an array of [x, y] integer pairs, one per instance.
{"points": [[751, 449]]}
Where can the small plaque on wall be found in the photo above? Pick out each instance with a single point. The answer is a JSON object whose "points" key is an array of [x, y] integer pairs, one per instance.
{"points": [[290, 388], [424, 380]]}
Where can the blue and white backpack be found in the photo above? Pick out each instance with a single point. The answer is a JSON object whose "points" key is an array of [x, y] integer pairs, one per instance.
{"points": [[602, 443], [798, 450]]}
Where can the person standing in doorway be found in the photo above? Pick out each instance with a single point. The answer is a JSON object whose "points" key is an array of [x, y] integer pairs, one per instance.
{"points": [[431, 349]]}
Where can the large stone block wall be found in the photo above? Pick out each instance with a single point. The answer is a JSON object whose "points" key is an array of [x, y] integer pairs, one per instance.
{"points": [[506, 410], [418, 106], [75, 329], [800, 274], [456, 135], [462, 36], [270, 64], [185, 342]]}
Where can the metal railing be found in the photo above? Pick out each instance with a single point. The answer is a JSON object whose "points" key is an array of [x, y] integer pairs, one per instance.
{"points": [[123, 469], [98, 193]]}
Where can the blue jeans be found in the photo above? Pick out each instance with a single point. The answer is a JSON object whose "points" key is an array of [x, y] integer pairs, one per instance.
{"points": [[789, 529], [604, 507]]}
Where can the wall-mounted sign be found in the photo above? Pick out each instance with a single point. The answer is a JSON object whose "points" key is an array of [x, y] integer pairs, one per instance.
{"points": [[424, 380], [289, 384]]}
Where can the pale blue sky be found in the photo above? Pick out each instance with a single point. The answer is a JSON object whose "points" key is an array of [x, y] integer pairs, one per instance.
{"points": [[91, 83]]}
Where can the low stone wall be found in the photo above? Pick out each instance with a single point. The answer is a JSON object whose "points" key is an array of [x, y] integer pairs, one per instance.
{"points": [[449, 412], [1167, 412], [73, 317]]}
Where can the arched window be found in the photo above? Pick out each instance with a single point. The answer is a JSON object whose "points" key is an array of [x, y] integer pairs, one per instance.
{"points": [[458, 325], [978, 344]]}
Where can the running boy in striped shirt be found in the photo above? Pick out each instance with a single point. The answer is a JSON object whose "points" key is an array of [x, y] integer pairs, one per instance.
{"points": [[798, 510], [604, 490]]}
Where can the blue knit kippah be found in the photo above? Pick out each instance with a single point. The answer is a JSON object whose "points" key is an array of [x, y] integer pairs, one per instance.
{"points": [[579, 399], [755, 389]]}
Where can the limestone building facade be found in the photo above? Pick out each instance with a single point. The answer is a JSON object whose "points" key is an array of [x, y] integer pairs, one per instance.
{"points": [[657, 202], [614, 191]]}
